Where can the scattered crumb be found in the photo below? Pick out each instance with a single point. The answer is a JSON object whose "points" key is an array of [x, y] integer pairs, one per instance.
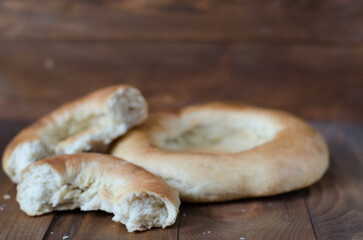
{"points": [[2, 207], [51, 233], [209, 232], [203, 232], [243, 210], [6, 196], [65, 237], [49, 63], [184, 214], [241, 238]]}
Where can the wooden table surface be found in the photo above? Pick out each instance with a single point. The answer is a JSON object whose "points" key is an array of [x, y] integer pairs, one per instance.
{"points": [[305, 57]]}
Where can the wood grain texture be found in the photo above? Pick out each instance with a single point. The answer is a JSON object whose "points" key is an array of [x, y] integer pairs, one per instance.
{"points": [[336, 203], [98, 225], [281, 22], [305, 57], [315, 83], [280, 217]]}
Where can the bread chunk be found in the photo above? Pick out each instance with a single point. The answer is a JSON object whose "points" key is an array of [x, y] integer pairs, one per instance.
{"points": [[93, 120], [92, 181]]}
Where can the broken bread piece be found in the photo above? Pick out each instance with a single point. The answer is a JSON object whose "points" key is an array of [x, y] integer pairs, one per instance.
{"points": [[93, 181], [93, 120]]}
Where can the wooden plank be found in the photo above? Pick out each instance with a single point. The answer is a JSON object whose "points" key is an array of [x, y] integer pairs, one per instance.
{"points": [[98, 225], [279, 217], [315, 83], [14, 224], [335, 203], [355, 139], [286, 22]]}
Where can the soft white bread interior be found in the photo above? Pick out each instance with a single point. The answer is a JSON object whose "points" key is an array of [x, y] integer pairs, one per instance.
{"points": [[78, 126], [92, 181]]}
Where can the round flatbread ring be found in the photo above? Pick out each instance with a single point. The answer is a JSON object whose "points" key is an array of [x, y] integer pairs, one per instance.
{"points": [[216, 152]]}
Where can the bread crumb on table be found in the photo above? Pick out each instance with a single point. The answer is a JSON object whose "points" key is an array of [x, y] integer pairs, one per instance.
{"points": [[65, 237], [6, 196]]}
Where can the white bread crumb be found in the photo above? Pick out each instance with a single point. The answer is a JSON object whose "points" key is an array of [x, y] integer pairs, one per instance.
{"points": [[6, 196]]}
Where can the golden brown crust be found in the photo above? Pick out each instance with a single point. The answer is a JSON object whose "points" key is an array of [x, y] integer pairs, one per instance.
{"points": [[296, 157]]}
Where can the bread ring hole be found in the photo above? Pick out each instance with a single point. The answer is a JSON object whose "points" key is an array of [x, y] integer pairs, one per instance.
{"points": [[213, 134]]}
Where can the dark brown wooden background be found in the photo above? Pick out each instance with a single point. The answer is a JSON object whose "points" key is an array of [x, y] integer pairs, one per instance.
{"points": [[305, 57]]}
